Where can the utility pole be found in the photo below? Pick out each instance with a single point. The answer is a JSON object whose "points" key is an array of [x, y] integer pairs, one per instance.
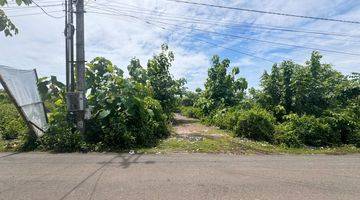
{"points": [[75, 96], [66, 48], [71, 97], [80, 65], [69, 43]]}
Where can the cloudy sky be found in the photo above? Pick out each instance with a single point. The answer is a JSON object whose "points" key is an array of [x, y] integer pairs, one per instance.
{"points": [[122, 29]]}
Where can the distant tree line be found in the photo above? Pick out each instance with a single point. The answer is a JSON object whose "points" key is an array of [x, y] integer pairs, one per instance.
{"points": [[296, 105]]}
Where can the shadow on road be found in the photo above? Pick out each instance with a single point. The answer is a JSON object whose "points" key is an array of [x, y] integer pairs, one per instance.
{"points": [[128, 160], [132, 159]]}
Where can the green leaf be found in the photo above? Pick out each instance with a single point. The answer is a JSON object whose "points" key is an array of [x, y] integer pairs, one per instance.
{"points": [[2, 2], [104, 113], [151, 112]]}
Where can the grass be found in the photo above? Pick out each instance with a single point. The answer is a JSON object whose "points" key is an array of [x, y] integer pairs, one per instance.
{"points": [[226, 143], [12, 145], [229, 144]]}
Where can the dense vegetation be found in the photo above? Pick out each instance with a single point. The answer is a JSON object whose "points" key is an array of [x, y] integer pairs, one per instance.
{"points": [[297, 105], [12, 128], [126, 112]]}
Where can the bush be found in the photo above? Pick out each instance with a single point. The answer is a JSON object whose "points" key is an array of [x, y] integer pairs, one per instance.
{"points": [[346, 124], [308, 129], [61, 140], [225, 118], [192, 112], [12, 126], [256, 123], [125, 115], [285, 136], [61, 136]]}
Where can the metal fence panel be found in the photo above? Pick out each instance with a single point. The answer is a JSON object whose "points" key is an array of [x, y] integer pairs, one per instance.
{"points": [[21, 85]]}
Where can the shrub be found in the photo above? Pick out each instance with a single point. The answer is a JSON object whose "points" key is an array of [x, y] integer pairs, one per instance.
{"points": [[61, 140], [256, 123], [12, 126], [308, 129], [225, 118], [192, 112], [355, 138], [346, 124], [61, 136], [285, 136], [124, 113]]}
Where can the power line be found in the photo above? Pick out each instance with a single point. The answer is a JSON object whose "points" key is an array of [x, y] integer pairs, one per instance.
{"points": [[237, 51], [241, 37], [229, 24], [47, 13], [27, 7], [251, 54], [33, 14], [264, 41], [266, 12]]}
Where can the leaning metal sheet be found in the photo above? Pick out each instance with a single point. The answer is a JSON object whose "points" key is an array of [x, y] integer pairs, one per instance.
{"points": [[23, 88]]}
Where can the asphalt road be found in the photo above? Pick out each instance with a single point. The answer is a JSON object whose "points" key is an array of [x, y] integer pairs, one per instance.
{"points": [[177, 176]]}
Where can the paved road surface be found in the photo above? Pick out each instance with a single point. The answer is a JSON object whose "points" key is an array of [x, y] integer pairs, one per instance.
{"points": [[177, 176]]}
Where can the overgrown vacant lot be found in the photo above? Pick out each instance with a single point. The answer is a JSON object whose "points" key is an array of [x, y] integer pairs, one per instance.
{"points": [[190, 136]]}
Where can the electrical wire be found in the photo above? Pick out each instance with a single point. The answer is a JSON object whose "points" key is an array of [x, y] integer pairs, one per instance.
{"points": [[27, 7], [265, 12], [34, 14], [229, 24], [47, 13], [264, 41], [242, 37], [251, 54]]}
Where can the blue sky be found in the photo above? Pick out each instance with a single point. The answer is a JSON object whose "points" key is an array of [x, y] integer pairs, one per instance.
{"points": [[40, 43]]}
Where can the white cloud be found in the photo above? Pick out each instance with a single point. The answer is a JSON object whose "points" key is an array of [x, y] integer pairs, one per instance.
{"points": [[40, 43]]}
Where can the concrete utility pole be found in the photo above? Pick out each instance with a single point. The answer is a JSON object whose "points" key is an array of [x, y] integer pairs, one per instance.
{"points": [[75, 97], [80, 64], [69, 41], [71, 95], [66, 48]]}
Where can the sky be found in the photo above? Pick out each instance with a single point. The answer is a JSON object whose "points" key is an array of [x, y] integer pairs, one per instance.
{"points": [[123, 29]]}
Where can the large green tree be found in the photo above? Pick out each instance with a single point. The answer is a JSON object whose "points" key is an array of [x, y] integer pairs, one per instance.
{"points": [[222, 88], [309, 89], [165, 88], [158, 79], [287, 68], [136, 71], [272, 86]]}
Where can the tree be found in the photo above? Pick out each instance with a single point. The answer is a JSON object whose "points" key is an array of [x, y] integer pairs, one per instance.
{"points": [[272, 86], [315, 86], [5, 23], [287, 74], [165, 88], [221, 88], [136, 71], [309, 89]]}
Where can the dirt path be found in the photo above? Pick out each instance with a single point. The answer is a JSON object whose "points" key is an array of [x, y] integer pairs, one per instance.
{"points": [[192, 129]]}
